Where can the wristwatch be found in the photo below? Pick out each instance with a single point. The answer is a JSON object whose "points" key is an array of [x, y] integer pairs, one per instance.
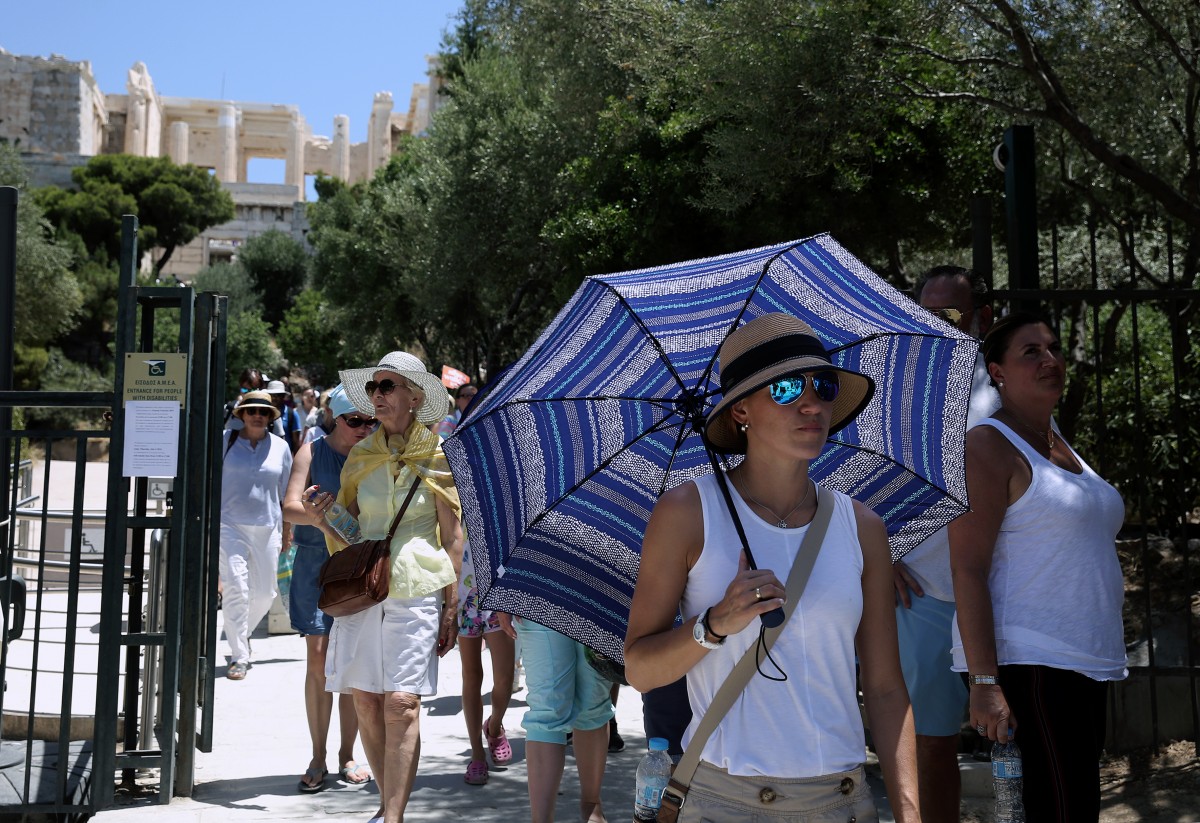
{"points": [[983, 680], [700, 632]]}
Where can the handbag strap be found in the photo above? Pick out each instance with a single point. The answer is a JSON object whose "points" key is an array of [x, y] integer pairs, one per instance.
{"points": [[403, 507], [737, 679]]}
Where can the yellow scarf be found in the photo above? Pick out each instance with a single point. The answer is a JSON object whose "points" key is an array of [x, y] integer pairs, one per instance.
{"points": [[418, 448]]}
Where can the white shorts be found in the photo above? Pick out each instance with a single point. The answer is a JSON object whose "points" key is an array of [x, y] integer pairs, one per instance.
{"points": [[390, 647]]}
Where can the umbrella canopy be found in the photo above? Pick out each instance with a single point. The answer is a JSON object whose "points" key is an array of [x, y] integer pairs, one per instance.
{"points": [[561, 461]]}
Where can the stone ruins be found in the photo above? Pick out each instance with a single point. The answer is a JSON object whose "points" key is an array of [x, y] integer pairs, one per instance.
{"points": [[53, 111]]}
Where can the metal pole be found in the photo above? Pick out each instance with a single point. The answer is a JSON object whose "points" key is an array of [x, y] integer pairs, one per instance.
{"points": [[981, 238], [8, 315], [1020, 200], [8, 455]]}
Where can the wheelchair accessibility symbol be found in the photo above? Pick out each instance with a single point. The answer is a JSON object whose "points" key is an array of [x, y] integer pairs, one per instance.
{"points": [[156, 368]]}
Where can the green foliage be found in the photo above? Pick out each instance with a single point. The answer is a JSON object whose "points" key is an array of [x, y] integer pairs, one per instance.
{"points": [[247, 337], [310, 341], [173, 204], [48, 296], [278, 269]]}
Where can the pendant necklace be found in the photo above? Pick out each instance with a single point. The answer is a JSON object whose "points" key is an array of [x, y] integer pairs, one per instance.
{"points": [[782, 524], [1047, 435]]}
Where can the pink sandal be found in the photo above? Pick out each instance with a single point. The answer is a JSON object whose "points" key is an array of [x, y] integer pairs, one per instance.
{"points": [[498, 746], [477, 773]]}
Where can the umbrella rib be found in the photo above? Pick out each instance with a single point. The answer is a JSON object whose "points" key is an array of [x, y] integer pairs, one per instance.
{"points": [[746, 304], [657, 427]]}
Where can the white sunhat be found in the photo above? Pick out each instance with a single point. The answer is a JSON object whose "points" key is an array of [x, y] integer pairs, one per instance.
{"points": [[437, 401]]}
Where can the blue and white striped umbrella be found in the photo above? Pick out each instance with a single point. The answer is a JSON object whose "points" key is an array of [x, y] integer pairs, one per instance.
{"points": [[561, 461]]}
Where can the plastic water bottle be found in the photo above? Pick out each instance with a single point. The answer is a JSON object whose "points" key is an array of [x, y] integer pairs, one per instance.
{"points": [[1007, 782], [653, 774], [341, 521]]}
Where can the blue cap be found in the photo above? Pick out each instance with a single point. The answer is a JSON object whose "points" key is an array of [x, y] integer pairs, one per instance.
{"points": [[339, 403], [659, 744]]}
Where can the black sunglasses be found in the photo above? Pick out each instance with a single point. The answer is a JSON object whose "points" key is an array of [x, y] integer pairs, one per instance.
{"points": [[257, 410], [356, 422], [385, 387], [789, 389]]}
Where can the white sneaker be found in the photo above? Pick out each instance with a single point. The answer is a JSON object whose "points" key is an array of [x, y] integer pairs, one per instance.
{"points": [[518, 671]]}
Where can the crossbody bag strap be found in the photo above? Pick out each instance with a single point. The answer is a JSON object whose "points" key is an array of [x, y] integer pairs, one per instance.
{"points": [[403, 507], [736, 680]]}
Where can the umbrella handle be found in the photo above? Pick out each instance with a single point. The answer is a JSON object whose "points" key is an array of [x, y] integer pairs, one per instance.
{"points": [[774, 617]]}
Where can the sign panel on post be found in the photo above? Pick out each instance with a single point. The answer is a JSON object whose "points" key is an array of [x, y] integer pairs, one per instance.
{"points": [[154, 396]]}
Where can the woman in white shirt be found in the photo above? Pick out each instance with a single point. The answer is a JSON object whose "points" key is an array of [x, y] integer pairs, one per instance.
{"points": [[793, 747], [1037, 583], [254, 477]]}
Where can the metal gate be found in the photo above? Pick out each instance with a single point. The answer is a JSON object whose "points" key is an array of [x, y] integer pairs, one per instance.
{"points": [[108, 582]]}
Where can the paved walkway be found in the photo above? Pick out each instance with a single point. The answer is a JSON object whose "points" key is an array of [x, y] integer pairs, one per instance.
{"points": [[261, 748]]}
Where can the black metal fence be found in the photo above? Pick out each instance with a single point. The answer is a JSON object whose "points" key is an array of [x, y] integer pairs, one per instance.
{"points": [[1125, 307]]}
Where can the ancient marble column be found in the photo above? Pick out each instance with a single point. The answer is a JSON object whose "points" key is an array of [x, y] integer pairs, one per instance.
{"points": [[227, 148], [341, 148], [379, 132], [135, 121], [293, 171], [178, 146]]}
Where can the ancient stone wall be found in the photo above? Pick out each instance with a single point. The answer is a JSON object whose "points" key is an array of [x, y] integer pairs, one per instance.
{"points": [[50, 104]]}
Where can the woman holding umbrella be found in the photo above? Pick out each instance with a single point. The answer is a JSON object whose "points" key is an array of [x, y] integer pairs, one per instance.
{"points": [[787, 747], [1037, 582], [387, 656]]}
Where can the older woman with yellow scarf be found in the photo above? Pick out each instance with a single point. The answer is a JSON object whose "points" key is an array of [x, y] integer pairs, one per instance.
{"points": [[387, 656]]}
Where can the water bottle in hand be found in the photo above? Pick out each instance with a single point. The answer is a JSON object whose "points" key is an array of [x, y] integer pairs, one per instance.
{"points": [[653, 773], [1007, 781], [341, 521]]}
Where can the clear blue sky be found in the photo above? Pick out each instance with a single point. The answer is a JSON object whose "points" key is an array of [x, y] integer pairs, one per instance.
{"points": [[328, 58]]}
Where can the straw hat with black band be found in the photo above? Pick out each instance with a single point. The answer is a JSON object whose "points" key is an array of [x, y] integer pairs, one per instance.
{"points": [[767, 349], [255, 399]]}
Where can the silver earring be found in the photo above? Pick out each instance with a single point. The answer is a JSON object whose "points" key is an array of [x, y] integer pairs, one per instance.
{"points": [[743, 427], [1000, 385]]}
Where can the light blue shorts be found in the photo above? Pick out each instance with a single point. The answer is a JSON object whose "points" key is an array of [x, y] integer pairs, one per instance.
{"points": [[938, 695], [564, 691]]}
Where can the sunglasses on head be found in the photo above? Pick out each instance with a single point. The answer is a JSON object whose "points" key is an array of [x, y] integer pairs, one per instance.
{"points": [[256, 410], [355, 422], [385, 387], [788, 390], [951, 316]]}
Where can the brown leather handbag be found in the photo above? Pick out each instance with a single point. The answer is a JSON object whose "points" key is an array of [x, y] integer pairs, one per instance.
{"points": [[358, 577]]}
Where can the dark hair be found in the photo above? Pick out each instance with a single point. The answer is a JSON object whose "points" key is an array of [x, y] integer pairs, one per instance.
{"points": [[459, 391], [1000, 335], [252, 376], [981, 293]]}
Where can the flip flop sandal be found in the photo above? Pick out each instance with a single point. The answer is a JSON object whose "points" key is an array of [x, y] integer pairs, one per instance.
{"points": [[237, 671], [313, 774], [355, 774], [498, 746], [477, 773]]}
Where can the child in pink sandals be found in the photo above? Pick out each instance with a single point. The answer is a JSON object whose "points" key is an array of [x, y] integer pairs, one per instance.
{"points": [[473, 625]]}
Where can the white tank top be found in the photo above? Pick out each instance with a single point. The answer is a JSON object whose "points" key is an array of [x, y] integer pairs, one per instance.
{"points": [[809, 725], [1055, 581]]}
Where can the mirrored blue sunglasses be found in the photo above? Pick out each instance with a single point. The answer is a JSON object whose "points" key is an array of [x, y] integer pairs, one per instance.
{"points": [[788, 390]]}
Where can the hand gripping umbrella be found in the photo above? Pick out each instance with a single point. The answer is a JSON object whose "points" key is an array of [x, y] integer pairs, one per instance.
{"points": [[560, 463]]}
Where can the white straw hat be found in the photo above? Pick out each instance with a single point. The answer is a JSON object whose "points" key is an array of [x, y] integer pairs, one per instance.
{"points": [[437, 401]]}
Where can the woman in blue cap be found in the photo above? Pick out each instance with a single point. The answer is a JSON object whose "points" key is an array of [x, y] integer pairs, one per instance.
{"points": [[318, 468]]}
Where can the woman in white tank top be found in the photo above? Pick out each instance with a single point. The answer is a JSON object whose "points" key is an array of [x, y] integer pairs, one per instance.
{"points": [[1037, 583], [786, 748]]}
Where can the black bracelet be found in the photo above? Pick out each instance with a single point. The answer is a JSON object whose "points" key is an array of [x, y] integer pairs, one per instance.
{"points": [[708, 627]]}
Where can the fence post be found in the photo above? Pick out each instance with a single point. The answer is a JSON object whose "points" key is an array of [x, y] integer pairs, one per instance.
{"points": [[8, 316], [1020, 202], [981, 239]]}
